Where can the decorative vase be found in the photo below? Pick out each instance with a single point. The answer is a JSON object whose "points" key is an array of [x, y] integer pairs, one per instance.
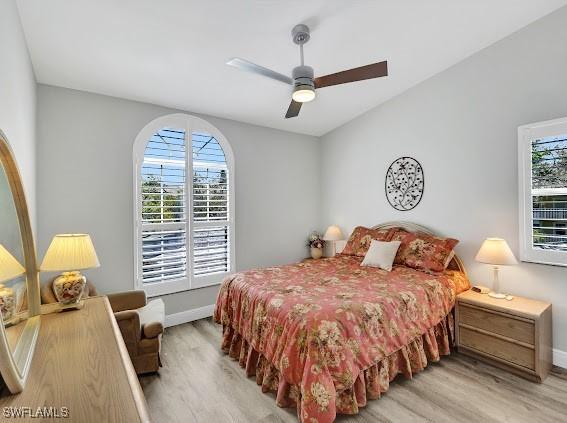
{"points": [[68, 287], [316, 253], [6, 302]]}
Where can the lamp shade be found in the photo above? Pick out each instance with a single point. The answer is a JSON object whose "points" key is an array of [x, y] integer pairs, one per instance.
{"points": [[495, 251], [70, 252], [333, 233], [10, 268]]}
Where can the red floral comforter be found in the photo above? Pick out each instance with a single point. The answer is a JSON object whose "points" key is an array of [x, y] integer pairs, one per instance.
{"points": [[322, 322]]}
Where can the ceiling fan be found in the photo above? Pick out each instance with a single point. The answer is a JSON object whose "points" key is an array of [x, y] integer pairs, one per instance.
{"points": [[303, 82]]}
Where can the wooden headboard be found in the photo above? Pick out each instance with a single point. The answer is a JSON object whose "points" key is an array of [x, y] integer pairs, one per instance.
{"points": [[456, 263]]}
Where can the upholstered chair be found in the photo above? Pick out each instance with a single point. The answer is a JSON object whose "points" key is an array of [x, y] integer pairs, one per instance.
{"points": [[140, 322]]}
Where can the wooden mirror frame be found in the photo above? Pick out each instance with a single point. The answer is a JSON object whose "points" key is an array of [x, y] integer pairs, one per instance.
{"points": [[14, 367]]}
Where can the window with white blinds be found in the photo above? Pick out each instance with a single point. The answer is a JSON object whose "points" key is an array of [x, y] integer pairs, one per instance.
{"points": [[543, 193], [164, 221], [184, 225], [549, 193], [210, 206]]}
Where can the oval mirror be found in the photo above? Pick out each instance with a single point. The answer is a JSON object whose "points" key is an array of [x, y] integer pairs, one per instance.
{"points": [[19, 282]]}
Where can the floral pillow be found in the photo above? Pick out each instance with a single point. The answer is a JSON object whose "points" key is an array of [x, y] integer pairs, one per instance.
{"points": [[360, 239], [422, 251]]}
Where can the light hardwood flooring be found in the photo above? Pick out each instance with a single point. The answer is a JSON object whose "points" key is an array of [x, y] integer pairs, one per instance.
{"points": [[199, 383]]}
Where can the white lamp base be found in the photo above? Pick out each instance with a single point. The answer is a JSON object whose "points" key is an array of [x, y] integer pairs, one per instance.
{"points": [[497, 295]]}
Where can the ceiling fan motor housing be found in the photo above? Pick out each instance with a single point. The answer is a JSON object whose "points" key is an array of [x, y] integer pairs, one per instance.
{"points": [[303, 76]]}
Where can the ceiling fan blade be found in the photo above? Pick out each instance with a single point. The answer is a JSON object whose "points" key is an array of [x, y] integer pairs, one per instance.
{"points": [[243, 64], [375, 70], [293, 109]]}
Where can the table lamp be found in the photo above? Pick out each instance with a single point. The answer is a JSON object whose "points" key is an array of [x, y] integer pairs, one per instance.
{"points": [[70, 253], [495, 251], [10, 269], [332, 234]]}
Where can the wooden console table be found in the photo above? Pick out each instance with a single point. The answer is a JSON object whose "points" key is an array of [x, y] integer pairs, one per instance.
{"points": [[81, 364]]}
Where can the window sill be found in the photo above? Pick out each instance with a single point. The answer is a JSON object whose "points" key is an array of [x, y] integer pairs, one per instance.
{"points": [[543, 261], [177, 286], [177, 291]]}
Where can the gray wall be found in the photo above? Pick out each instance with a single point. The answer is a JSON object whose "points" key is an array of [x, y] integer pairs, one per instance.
{"points": [[85, 185], [462, 126], [18, 97]]}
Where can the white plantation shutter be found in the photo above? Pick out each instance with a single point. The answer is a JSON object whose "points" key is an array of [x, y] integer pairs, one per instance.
{"points": [[543, 192], [163, 207], [184, 219], [211, 242]]}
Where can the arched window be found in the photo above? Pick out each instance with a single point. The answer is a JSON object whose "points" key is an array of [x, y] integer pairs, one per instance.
{"points": [[184, 205]]}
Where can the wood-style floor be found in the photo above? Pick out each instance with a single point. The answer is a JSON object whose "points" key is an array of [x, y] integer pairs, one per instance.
{"points": [[198, 383]]}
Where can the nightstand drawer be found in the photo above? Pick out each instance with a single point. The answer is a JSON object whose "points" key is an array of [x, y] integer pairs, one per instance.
{"points": [[497, 347], [520, 329]]}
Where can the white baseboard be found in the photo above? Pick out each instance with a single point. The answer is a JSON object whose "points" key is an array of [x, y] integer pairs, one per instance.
{"points": [[189, 315], [560, 358]]}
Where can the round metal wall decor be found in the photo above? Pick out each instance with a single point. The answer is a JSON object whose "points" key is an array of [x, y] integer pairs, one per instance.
{"points": [[404, 183]]}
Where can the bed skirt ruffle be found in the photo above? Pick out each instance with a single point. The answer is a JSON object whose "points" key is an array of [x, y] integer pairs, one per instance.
{"points": [[369, 384]]}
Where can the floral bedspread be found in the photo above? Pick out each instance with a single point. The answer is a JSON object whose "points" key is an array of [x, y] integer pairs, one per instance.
{"points": [[321, 323]]}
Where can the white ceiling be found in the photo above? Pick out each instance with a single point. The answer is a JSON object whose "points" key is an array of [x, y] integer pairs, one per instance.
{"points": [[172, 52]]}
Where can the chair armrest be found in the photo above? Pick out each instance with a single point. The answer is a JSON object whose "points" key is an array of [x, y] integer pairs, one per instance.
{"points": [[90, 290], [152, 330], [128, 300], [129, 324], [46, 292]]}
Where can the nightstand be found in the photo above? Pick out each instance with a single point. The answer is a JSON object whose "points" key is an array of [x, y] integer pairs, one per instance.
{"points": [[514, 335]]}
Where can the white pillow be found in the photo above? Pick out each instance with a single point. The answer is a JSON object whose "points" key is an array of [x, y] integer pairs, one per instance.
{"points": [[381, 254]]}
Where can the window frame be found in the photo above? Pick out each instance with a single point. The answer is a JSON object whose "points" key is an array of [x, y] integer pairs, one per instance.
{"points": [[190, 124], [526, 134]]}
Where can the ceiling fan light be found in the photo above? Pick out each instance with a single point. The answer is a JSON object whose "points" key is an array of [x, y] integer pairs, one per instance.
{"points": [[303, 94]]}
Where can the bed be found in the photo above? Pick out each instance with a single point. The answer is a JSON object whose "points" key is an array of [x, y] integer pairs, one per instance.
{"points": [[328, 335]]}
